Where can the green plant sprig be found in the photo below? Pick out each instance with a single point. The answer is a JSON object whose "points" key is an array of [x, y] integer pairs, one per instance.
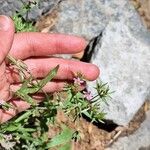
{"points": [[29, 129]]}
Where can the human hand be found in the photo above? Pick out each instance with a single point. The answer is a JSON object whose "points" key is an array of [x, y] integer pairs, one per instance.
{"points": [[33, 49]]}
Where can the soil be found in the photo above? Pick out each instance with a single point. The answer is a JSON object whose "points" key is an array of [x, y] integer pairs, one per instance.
{"points": [[99, 136], [143, 7]]}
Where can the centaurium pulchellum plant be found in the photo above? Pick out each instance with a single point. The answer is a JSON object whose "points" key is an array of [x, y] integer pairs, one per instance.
{"points": [[29, 129]]}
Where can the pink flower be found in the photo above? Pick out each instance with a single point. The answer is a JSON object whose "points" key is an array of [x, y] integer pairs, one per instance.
{"points": [[2, 102], [87, 95], [8, 137], [78, 81]]}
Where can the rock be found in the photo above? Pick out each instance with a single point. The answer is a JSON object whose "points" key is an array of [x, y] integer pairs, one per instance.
{"points": [[122, 54], [81, 17], [9, 7], [88, 18], [123, 59], [140, 140]]}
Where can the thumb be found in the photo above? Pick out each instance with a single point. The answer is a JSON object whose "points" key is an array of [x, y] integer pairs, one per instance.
{"points": [[6, 36]]}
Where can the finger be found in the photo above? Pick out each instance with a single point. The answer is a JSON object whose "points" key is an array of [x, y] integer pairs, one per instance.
{"points": [[42, 44], [22, 105], [19, 105], [39, 68], [6, 36], [50, 87]]}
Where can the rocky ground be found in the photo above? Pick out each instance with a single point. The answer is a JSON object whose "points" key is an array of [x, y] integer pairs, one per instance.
{"points": [[47, 22]]}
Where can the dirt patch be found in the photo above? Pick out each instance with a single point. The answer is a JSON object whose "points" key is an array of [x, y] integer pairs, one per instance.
{"points": [[143, 7], [94, 137], [46, 23]]}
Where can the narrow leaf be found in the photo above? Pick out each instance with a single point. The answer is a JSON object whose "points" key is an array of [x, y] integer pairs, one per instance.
{"points": [[24, 116], [12, 127], [49, 77], [67, 146], [64, 137]]}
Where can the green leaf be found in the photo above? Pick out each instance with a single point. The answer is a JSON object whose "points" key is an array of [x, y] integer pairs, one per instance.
{"points": [[26, 137], [87, 114], [67, 146], [64, 137], [21, 25], [24, 116], [49, 77], [35, 88], [12, 127], [43, 82], [26, 130], [25, 90], [25, 97]]}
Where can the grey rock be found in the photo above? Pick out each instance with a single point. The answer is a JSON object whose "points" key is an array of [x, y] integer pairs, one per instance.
{"points": [[81, 17], [123, 59], [122, 55], [88, 18], [140, 140], [144, 148]]}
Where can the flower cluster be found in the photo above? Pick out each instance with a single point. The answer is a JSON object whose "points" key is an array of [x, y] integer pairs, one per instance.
{"points": [[79, 81], [2, 102], [87, 95]]}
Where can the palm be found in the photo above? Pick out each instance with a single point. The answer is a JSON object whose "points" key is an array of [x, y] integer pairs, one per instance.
{"points": [[4, 86]]}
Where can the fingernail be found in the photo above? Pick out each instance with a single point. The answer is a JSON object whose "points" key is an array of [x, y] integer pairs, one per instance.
{"points": [[4, 25]]}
